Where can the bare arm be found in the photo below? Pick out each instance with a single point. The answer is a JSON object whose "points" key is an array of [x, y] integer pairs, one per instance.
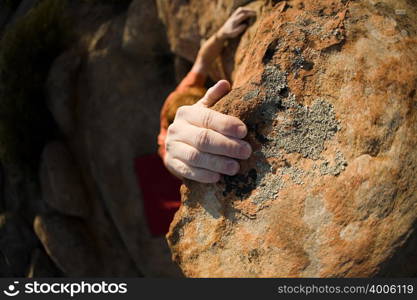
{"points": [[212, 48], [202, 144]]}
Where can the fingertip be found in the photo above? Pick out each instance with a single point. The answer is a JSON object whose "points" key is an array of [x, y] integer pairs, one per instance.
{"points": [[241, 131], [223, 84], [215, 93], [215, 177], [246, 151]]}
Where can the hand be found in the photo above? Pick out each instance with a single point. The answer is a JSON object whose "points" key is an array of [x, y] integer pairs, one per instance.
{"points": [[201, 143], [235, 25]]}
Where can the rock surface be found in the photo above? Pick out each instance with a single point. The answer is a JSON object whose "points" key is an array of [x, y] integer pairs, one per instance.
{"points": [[328, 91]]}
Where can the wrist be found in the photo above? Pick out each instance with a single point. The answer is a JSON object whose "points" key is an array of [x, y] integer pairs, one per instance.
{"points": [[220, 36]]}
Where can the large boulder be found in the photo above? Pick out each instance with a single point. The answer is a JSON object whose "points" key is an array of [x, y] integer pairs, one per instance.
{"points": [[328, 91]]}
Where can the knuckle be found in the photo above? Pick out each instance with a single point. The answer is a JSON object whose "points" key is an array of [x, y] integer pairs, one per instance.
{"points": [[184, 170], [168, 160], [171, 148], [209, 92], [207, 119], [182, 111], [168, 145], [219, 165], [171, 130], [193, 157], [227, 123], [233, 148], [203, 138], [189, 173]]}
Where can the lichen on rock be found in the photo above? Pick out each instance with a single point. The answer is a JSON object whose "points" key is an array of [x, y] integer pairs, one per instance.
{"points": [[338, 166], [309, 128]]}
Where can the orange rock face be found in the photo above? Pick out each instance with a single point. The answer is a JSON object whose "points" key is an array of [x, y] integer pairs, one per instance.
{"points": [[328, 91]]}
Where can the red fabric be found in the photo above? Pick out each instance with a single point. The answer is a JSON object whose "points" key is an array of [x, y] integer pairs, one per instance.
{"points": [[160, 191]]}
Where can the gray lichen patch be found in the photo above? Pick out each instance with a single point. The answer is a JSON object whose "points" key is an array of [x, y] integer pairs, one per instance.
{"points": [[339, 165], [282, 126], [300, 62], [274, 81], [296, 128], [295, 174], [250, 95], [276, 89], [302, 129], [268, 188], [262, 178], [268, 183]]}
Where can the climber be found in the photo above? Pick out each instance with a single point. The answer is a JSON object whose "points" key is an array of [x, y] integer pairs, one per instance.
{"points": [[200, 143], [196, 142]]}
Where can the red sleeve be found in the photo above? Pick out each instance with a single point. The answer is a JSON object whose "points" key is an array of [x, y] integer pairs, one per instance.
{"points": [[192, 79]]}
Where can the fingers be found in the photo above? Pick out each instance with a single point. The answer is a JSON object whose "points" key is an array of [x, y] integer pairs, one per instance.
{"points": [[206, 118], [243, 15], [201, 143], [186, 171], [200, 116], [215, 93], [214, 163], [233, 26], [244, 10], [209, 141]]}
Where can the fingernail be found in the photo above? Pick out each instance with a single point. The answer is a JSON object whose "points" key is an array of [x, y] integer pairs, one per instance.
{"points": [[241, 131], [215, 178]]}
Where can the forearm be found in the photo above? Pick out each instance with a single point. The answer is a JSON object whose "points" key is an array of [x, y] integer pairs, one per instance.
{"points": [[208, 52], [212, 48]]}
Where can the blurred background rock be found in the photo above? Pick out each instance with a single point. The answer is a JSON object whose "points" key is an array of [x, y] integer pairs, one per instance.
{"points": [[81, 86]]}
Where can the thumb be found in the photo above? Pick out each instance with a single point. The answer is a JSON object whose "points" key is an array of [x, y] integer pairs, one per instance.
{"points": [[215, 93]]}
